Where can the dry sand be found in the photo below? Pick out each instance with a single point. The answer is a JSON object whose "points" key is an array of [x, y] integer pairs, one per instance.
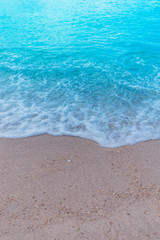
{"points": [[56, 188]]}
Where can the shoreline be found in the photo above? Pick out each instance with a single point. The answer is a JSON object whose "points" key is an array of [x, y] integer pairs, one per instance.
{"points": [[79, 137], [66, 187]]}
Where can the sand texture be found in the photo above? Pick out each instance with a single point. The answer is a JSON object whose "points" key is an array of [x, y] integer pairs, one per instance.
{"points": [[56, 188]]}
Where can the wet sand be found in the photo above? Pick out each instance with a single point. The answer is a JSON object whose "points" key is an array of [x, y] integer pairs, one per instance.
{"points": [[71, 188]]}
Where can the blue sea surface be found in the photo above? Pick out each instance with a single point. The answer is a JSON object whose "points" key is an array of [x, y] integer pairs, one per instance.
{"points": [[88, 68]]}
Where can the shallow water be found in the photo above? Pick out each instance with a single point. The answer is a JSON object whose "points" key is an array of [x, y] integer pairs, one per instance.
{"points": [[84, 68]]}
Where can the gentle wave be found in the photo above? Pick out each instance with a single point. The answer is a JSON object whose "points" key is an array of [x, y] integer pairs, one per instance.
{"points": [[81, 68]]}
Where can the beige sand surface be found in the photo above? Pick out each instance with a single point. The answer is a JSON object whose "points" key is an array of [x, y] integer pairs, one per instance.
{"points": [[56, 188]]}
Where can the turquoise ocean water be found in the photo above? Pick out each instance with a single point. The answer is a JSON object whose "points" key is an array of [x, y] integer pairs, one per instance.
{"points": [[88, 68]]}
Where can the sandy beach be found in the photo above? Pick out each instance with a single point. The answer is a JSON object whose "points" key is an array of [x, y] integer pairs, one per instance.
{"points": [[71, 188]]}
